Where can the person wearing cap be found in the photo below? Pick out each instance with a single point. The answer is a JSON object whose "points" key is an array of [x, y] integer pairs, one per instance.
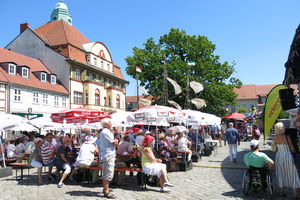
{"points": [[257, 159], [152, 165], [86, 157], [139, 138], [232, 137]]}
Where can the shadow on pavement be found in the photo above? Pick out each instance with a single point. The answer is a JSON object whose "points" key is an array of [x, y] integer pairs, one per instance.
{"points": [[233, 172]]}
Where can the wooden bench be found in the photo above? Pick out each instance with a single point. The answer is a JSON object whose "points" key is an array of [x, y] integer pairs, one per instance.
{"points": [[130, 169], [22, 166]]}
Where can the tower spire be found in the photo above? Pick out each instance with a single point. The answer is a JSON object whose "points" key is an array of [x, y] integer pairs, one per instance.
{"points": [[61, 12]]}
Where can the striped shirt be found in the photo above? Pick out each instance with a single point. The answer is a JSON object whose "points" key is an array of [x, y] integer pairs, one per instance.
{"points": [[46, 149]]}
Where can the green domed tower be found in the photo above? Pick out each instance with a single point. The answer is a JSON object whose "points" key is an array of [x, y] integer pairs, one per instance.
{"points": [[61, 12]]}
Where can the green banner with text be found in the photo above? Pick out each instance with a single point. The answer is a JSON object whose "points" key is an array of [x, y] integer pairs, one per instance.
{"points": [[272, 109]]}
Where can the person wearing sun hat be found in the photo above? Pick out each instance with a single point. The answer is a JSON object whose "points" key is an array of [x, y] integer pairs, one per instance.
{"points": [[152, 165], [256, 158]]}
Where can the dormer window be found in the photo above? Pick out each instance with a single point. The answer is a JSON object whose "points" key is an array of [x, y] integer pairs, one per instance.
{"points": [[25, 72], [12, 69], [53, 79], [43, 77]]}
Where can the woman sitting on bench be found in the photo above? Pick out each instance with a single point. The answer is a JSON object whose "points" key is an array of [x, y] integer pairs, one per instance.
{"points": [[183, 144], [153, 166], [35, 158]]}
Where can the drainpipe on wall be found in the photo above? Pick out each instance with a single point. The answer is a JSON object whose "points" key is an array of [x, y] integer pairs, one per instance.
{"points": [[8, 100]]}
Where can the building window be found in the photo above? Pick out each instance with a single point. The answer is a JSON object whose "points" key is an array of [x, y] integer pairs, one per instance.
{"points": [[102, 64], [12, 69], [104, 101], [86, 97], [64, 101], [78, 97], [95, 61], [53, 79], [263, 99], [109, 101], [43, 77], [35, 97], [56, 100], [108, 67], [118, 102], [17, 95], [77, 74], [97, 98], [25, 72], [45, 99], [91, 76]]}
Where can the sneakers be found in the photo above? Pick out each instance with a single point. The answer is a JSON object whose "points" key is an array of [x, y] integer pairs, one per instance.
{"points": [[168, 184], [60, 185], [164, 190], [234, 160]]}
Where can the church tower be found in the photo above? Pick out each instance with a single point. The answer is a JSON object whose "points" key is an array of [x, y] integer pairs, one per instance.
{"points": [[61, 12]]}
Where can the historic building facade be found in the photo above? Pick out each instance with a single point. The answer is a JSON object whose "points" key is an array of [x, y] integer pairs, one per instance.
{"points": [[86, 69]]}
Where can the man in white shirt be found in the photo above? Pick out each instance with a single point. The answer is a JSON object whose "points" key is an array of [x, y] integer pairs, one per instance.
{"points": [[86, 157], [108, 146], [139, 138]]}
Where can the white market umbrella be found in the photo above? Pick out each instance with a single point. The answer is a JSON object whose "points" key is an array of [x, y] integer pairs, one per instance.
{"points": [[153, 115], [9, 121], [119, 119], [23, 127]]}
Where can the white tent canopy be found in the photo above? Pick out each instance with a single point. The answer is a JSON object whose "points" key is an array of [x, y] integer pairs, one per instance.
{"points": [[197, 118]]}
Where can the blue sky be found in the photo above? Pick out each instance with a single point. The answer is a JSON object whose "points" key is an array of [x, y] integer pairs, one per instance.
{"points": [[255, 34]]}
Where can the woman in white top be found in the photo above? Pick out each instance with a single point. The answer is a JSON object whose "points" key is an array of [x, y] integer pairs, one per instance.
{"points": [[20, 150], [183, 144], [11, 149]]}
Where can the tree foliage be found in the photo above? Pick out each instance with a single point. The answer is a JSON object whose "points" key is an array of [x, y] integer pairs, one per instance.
{"points": [[242, 110], [174, 50]]}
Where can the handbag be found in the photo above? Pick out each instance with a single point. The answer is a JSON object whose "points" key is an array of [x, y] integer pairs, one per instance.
{"points": [[274, 146]]}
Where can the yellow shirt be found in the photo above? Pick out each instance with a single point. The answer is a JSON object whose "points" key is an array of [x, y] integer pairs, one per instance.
{"points": [[145, 159]]}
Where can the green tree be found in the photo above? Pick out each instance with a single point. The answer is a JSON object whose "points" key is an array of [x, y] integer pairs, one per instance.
{"points": [[174, 50], [242, 110], [283, 115]]}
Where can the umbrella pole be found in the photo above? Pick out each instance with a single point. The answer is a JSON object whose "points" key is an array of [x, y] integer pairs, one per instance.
{"points": [[2, 152]]}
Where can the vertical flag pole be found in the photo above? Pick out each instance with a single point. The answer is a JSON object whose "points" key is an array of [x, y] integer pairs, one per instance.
{"points": [[137, 70], [137, 90]]}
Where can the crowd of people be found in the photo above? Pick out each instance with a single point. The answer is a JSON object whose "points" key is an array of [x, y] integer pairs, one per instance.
{"points": [[108, 149], [152, 149]]}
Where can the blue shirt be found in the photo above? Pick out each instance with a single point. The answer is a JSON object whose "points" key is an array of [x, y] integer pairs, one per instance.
{"points": [[132, 139], [106, 143], [231, 136]]}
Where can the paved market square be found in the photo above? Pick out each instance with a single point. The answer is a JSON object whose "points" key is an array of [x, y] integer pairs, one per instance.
{"points": [[214, 177]]}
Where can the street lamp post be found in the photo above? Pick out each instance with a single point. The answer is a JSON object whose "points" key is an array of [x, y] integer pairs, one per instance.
{"points": [[29, 110]]}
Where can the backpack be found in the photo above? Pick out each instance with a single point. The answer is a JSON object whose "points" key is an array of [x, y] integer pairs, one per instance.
{"points": [[256, 183]]}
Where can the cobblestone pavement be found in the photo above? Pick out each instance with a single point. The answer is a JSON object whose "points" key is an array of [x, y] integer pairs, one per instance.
{"points": [[214, 177]]}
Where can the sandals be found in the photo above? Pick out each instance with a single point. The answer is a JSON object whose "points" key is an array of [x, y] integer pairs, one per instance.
{"points": [[110, 190], [109, 195]]}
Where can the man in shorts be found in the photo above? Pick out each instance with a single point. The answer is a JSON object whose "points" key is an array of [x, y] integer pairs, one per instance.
{"points": [[108, 146]]}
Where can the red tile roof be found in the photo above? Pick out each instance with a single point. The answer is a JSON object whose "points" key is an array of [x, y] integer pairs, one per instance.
{"points": [[34, 65], [253, 91], [71, 41], [59, 32], [246, 92]]}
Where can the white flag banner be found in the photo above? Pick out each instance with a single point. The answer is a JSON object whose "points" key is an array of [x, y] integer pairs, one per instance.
{"points": [[177, 88], [197, 87]]}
